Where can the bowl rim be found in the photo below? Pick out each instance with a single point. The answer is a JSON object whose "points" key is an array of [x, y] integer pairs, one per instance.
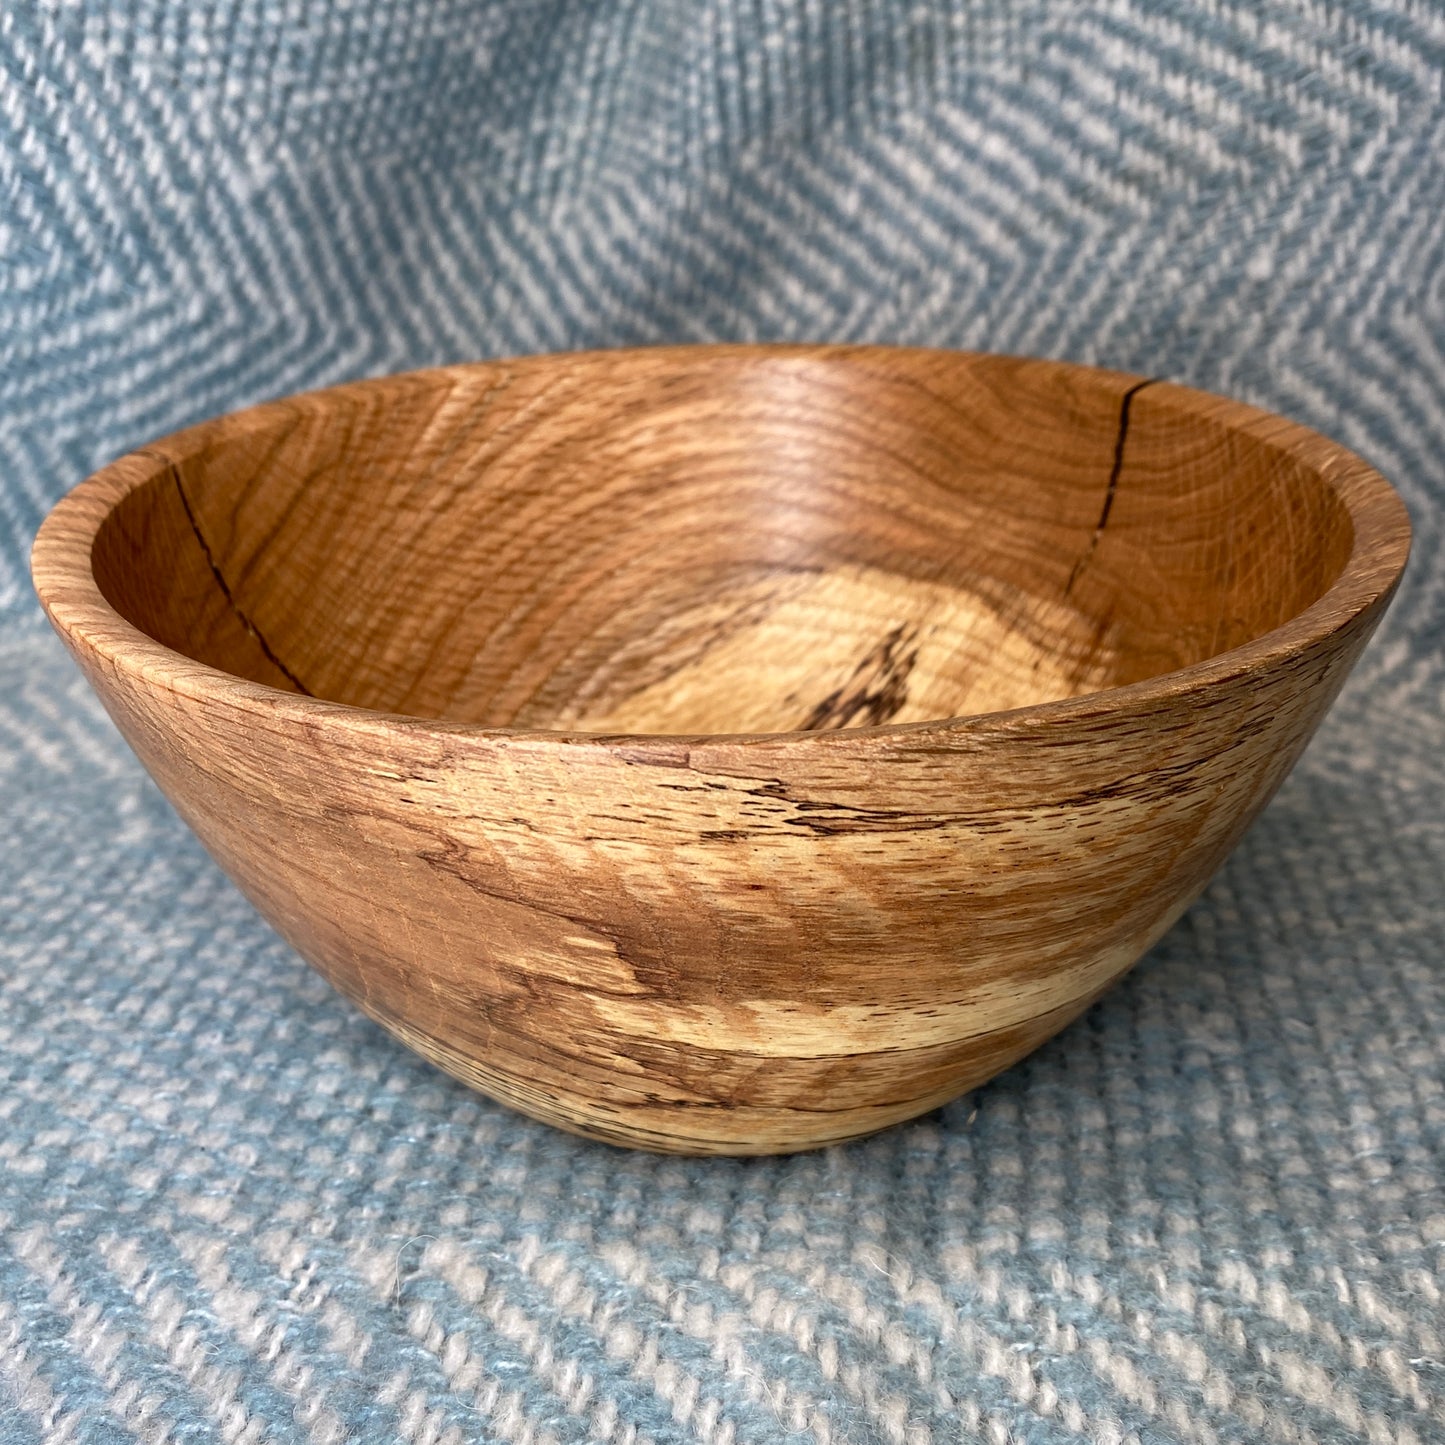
{"points": [[64, 579]]}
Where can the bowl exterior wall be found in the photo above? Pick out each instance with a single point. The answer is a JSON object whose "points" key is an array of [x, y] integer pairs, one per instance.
{"points": [[724, 945]]}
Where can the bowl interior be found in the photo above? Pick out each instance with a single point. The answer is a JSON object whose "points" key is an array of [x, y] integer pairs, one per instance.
{"points": [[720, 539]]}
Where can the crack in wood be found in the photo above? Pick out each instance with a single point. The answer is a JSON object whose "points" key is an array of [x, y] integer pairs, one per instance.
{"points": [[1113, 485], [221, 582]]}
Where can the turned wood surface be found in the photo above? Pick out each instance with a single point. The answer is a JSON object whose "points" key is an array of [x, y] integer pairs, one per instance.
{"points": [[725, 749]]}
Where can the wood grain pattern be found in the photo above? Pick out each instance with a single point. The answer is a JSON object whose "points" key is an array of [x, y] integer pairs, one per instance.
{"points": [[725, 749]]}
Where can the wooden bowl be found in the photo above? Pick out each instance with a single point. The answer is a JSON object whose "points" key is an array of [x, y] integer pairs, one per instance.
{"points": [[725, 749]]}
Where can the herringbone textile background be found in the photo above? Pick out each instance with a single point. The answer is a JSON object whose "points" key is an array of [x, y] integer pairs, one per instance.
{"points": [[231, 1209]]}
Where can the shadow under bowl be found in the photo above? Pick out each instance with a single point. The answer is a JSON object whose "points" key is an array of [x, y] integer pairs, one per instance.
{"points": [[725, 749]]}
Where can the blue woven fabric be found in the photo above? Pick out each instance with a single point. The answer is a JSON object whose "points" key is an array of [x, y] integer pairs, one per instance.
{"points": [[231, 1209]]}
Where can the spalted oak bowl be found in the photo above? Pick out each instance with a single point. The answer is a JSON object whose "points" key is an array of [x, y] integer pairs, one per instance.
{"points": [[725, 749]]}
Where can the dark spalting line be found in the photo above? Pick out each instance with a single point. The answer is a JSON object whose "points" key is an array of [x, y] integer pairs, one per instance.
{"points": [[877, 689], [1113, 486], [226, 590], [825, 817]]}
